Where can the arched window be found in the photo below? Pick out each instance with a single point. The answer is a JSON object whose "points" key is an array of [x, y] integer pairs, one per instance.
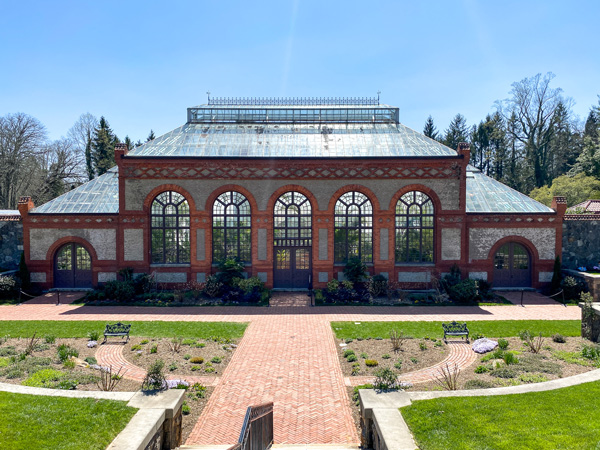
{"points": [[353, 234], [231, 236], [170, 214], [292, 221], [414, 228]]}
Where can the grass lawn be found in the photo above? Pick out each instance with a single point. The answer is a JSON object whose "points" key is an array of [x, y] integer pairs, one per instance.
{"points": [[30, 422], [9, 301], [560, 419], [75, 329], [491, 328]]}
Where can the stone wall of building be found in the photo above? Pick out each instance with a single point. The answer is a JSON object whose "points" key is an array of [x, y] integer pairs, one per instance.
{"points": [[581, 243], [11, 244]]}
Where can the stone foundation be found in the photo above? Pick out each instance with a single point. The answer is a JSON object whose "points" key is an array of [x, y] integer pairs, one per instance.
{"points": [[590, 322]]}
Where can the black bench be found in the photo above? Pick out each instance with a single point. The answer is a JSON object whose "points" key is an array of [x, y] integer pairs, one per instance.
{"points": [[455, 329], [116, 329]]}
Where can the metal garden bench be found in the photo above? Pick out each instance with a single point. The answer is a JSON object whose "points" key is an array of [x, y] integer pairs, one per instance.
{"points": [[455, 329], [116, 329]]}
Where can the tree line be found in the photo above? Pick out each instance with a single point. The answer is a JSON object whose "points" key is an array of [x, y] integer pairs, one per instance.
{"points": [[31, 164], [533, 142]]}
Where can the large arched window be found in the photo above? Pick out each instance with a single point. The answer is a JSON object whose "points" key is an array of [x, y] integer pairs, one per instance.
{"points": [[231, 236], [292, 221], [353, 234], [170, 214], [414, 228]]}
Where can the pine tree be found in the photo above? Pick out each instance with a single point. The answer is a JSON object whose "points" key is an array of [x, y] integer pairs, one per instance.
{"points": [[457, 132], [103, 147], [129, 143], [89, 167], [150, 136], [430, 130]]}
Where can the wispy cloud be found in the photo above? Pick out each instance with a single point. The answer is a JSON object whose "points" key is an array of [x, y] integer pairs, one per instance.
{"points": [[287, 60]]}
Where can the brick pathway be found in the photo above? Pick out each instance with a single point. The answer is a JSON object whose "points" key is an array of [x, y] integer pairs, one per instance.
{"points": [[288, 356]]}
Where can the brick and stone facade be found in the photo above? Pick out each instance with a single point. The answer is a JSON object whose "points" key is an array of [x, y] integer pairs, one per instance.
{"points": [[11, 239], [122, 238]]}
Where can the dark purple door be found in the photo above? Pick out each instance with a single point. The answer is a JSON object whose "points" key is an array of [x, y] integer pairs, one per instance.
{"points": [[512, 266], [72, 267]]}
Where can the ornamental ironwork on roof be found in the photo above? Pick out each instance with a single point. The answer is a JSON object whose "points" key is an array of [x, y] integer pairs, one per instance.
{"points": [[98, 196], [486, 195]]}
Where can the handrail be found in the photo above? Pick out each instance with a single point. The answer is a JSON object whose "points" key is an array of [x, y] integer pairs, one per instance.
{"points": [[256, 434]]}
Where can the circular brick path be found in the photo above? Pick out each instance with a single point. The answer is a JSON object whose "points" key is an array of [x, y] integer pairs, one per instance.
{"points": [[460, 354], [111, 354]]}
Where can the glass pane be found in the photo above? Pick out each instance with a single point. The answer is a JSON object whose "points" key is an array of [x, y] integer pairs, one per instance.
{"points": [[401, 253], [64, 259], [302, 259], [282, 261], [520, 257], [157, 247], [84, 262], [501, 257]]}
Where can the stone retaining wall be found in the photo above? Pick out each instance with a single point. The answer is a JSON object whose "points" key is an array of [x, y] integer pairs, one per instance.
{"points": [[11, 244], [580, 243]]}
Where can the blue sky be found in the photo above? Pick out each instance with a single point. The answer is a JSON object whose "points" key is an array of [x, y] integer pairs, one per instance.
{"points": [[141, 64]]}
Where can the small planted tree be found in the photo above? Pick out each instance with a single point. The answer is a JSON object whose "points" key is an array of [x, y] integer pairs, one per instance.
{"points": [[155, 378]]}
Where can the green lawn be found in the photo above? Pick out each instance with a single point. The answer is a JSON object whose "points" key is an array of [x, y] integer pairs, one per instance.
{"points": [[73, 329], [40, 422], [491, 328], [562, 419]]}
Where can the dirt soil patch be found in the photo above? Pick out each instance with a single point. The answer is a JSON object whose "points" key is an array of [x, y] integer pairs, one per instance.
{"points": [[415, 354]]}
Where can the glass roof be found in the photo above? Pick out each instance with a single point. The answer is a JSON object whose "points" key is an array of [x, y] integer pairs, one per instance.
{"points": [[486, 195], [331, 140], [100, 195]]}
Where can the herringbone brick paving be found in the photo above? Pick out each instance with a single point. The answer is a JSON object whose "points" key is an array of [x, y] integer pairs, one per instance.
{"points": [[288, 356]]}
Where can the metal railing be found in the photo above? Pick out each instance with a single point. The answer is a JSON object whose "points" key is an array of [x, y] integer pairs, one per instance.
{"points": [[257, 431]]}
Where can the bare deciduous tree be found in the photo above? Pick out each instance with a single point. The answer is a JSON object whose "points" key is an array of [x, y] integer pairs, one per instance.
{"points": [[81, 134]]}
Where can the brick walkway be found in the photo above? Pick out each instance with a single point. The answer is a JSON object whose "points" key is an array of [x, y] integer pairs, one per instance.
{"points": [[288, 356]]}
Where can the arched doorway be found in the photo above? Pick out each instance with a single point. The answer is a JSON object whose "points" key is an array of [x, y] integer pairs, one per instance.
{"points": [[292, 243], [512, 266], [72, 267]]}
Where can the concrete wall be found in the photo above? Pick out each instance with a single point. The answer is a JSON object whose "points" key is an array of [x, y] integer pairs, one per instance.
{"points": [[581, 243], [481, 240], [103, 240], [136, 190], [11, 244]]}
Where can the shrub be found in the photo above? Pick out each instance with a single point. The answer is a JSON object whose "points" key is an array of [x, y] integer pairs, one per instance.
{"points": [[385, 379], [558, 338], [69, 364], [136, 347], [216, 360], [120, 291], [109, 380], [502, 344], [532, 378], [510, 358], [386, 356], [93, 335], [355, 270], [464, 292], [448, 377], [155, 378], [154, 349], [229, 268], [250, 284], [187, 356], [355, 369], [379, 285], [347, 352], [8, 287], [422, 346], [144, 341], [172, 367], [185, 409], [65, 352], [533, 343], [572, 288], [50, 339], [397, 340], [195, 368], [90, 360], [3, 361], [349, 340], [481, 369], [398, 364], [333, 286], [197, 391], [371, 363], [209, 369], [8, 351], [197, 360], [504, 372], [351, 358], [414, 360], [188, 342], [45, 378], [591, 351], [438, 344], [213, 286], [363, 355]]}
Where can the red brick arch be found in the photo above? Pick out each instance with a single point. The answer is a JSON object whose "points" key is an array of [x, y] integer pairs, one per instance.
{"points": [[168, 187], [358, 188], [289, 188], [519, 240], [69, 240], [231, 187], [437, 204]]}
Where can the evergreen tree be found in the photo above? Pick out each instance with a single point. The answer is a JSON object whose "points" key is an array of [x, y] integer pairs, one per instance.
{"points": [[103, 147], [88, 157], [591, 124], [457, 132], [150, 136], [430, 130], [129, 143]]}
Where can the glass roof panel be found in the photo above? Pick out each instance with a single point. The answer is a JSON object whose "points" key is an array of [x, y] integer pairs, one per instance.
{"points": [[100, 195], [486, 195]]}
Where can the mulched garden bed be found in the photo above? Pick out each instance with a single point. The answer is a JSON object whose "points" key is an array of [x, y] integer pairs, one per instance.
{"points": [[45, 356]]}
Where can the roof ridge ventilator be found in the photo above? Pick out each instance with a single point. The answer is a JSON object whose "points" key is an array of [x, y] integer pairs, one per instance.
{"points": [[293, 111]]}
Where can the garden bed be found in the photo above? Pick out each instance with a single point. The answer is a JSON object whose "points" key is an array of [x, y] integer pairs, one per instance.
{"points": [[42, 367]]}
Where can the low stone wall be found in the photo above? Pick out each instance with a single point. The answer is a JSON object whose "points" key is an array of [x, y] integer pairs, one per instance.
{"points": [[591, 280], [580, 243], [590, 322], [156, 425], [11, 244]]}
